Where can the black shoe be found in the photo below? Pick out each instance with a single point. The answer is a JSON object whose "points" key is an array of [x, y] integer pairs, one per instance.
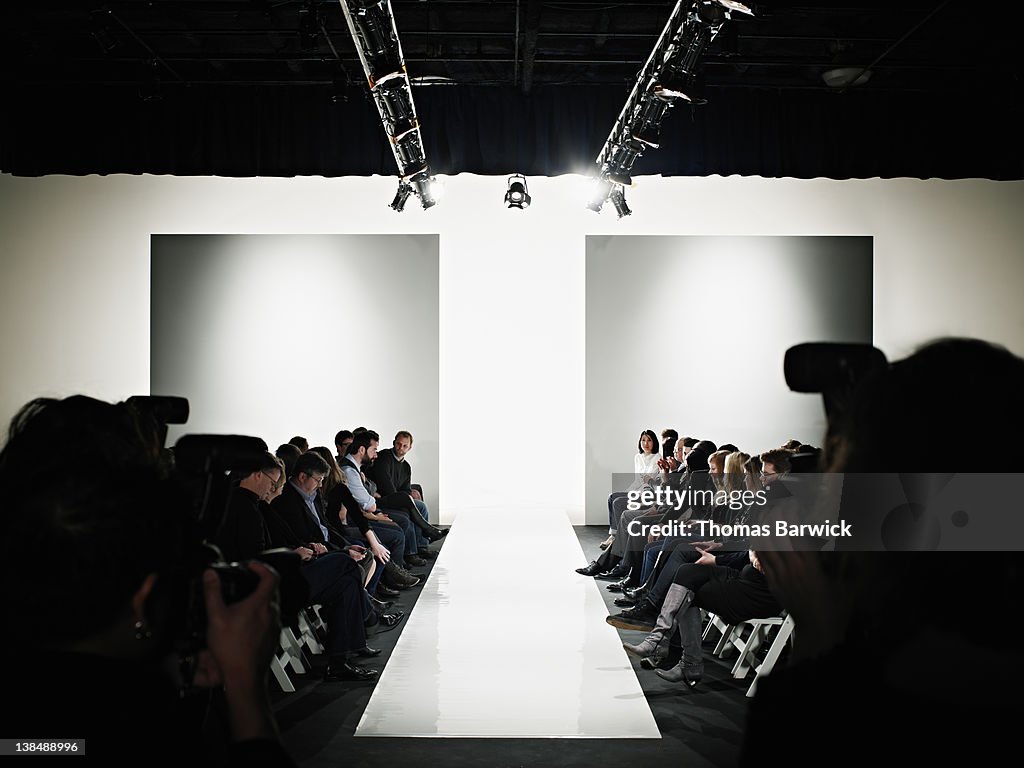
{"points": [[366, 652], [642, 618], [612, 575], [589, 570], [415, 561], [625, 602], [348, 671], [427, 554], [391, 619], [618, 586], [435, 534], [383, 592], [635, 593]]}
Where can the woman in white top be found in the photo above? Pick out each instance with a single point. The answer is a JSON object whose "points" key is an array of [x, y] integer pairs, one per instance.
{"points": [[645, 471]]}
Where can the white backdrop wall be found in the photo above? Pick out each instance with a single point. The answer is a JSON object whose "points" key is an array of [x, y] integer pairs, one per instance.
{"points": [[329, 356], [691, 331], [74, 286]]}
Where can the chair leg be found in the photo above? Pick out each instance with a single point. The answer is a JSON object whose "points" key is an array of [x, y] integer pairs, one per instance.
{"points": [[766, 666]]}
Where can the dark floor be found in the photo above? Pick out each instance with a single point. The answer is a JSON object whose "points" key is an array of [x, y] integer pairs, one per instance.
{"points": [[703, 727]]}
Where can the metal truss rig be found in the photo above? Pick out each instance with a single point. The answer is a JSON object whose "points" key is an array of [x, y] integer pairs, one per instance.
{"points": [[663, 82], [373, 29]]}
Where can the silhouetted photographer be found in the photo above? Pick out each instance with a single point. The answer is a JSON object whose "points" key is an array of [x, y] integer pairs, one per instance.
{"points": [[99, 580]]}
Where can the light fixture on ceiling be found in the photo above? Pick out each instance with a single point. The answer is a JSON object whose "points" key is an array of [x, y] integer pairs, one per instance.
{"points": [[375, 34], [517, 195], [665, 81], [845, 77], [404, 190], [618, 198]]}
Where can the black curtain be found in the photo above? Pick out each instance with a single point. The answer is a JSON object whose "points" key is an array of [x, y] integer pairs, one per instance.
{"points": [[282, 131]]}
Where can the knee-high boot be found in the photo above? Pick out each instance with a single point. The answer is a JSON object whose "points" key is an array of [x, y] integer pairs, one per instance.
{"points": [[690, 668], [677, 600]]}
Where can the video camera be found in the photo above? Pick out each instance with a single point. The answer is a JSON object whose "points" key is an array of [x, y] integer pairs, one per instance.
{"points": [[832, 369]]}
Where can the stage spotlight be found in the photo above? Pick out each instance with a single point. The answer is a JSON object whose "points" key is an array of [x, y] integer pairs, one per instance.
{"points": [[426, 188], [404, 190], [517, 196], [618, 198], [599, 193]]}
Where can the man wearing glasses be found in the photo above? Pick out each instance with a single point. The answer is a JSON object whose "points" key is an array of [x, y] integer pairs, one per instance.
{"points": [[334, 579]]}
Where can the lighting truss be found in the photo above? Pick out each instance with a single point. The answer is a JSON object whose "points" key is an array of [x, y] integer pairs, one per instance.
{"points": [[373, 29], [664, 81]]}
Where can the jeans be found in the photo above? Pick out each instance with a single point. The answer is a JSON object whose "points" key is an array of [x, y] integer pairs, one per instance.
{"points": [[421, 540]]}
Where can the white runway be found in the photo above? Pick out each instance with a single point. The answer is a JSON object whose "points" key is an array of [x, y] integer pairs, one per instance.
{"points": [[506, 640]]}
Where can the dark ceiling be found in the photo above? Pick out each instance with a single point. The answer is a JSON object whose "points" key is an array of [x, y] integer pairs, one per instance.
{"points": [[910, 46], [955, 57]]}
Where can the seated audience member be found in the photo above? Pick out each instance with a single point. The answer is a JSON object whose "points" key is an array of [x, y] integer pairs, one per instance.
{"points": [[888, 643], [736, 593], [393, 475], [289, 454], [300, 442], [382, 542], [395, 574], [342, 440], [334, 577], [645, 471], [332, 502], [92, 624], [401, 502]]}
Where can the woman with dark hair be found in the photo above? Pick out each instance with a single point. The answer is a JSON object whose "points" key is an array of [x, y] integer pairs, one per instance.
{"points": [[645, 470]]}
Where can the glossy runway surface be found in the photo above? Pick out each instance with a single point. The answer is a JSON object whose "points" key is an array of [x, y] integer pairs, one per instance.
{"points": [[506, 640]]}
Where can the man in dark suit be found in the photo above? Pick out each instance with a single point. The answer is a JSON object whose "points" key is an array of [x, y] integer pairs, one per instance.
{"points": [[335, 580]]}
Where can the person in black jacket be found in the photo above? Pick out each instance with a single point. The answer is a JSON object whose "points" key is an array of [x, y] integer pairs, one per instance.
{"points": [[335, 580], [393, 475]]}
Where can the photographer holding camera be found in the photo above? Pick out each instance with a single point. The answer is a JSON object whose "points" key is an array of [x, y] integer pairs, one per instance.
{"points": [[95, 621]]}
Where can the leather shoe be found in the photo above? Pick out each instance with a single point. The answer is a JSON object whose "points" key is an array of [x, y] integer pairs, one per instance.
{"points": [[415, 560], [348, 671], [625, 602], [612, 575], [383, 592], [617, 586], [391, 619], [637, 593], [435, 534], [366, 652], [592, 569], [427, 554]]}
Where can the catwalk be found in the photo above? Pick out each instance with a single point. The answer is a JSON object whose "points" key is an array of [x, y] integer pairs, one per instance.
{"points": [[506, 640]]}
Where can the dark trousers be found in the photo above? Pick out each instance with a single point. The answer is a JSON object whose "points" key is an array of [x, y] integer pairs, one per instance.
{"points": [[404, 503], [734, 595], [335, 582]]}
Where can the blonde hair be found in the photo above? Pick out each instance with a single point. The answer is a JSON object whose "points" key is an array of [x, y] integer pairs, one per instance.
{"points": [[734, 463]]}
